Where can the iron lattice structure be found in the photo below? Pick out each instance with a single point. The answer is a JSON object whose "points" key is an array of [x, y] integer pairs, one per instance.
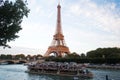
{"points": [[58, 46]]}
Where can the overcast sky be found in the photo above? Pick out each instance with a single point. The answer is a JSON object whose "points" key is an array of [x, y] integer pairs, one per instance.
{"points": [[86, 24]]}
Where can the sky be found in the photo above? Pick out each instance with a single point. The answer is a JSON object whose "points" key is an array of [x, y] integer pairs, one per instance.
{"points": [[86, 24]]}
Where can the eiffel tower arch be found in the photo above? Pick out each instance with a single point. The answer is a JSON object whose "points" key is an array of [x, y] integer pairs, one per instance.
{"points": [[58, 46]]}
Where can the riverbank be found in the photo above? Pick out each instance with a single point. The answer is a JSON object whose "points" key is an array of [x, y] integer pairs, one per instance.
{"points": [[5, 62], [117, 67]]}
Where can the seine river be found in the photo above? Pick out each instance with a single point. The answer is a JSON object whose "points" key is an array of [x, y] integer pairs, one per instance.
{"points": [[17, 72]]}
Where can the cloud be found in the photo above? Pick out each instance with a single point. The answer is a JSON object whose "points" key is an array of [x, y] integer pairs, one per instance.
{"points": [[89, 25], [75, 9], [103, 15], [32, 2]]}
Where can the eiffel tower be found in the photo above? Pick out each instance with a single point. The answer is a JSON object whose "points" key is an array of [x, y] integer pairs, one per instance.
{"points": [[58, 46]]}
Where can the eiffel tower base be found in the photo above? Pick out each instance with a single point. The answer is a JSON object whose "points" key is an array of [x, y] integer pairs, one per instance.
{"points": [[58, 51]]}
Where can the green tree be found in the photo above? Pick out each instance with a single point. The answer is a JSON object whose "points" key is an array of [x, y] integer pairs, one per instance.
{"points": [[11, 16], [2, 56], [72, 55], [20, 56], [82, 56], [9, 56], [104, 55], [38, 56], [28, 57]]}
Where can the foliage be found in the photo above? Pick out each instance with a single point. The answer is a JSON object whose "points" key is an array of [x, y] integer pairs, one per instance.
{"points": [[72, 55], [111, 56], [3, 56], [104, 53], [20, 57], [98, 56], [11, 16], [82, 56]]}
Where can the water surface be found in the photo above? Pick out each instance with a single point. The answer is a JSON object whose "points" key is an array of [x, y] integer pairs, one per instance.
{"points": [[17, 72]]}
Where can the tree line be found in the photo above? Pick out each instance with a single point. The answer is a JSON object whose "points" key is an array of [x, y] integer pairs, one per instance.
{"points": [[98, 56], [20, 57]]}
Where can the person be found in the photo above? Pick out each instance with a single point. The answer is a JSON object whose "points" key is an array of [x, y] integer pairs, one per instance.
{"points": [[87, 71], [106, 77]]}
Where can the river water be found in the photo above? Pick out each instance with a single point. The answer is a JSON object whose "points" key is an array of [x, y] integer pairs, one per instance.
{"points": [[17, 72]]}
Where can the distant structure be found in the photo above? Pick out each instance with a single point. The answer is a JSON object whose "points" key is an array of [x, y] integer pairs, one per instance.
{"points": [[58, 46]]}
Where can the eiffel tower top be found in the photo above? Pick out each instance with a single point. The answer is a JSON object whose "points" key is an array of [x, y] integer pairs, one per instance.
{"points": [[59, 28]]}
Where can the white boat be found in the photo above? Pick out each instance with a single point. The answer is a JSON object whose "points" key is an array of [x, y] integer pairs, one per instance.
{"points": [[62, 69]]}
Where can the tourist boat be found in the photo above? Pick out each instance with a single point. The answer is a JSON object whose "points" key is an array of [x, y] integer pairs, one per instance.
{"points": [[58, 68]]}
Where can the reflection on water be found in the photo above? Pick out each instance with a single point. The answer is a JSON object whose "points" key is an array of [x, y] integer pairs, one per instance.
{"points": [[17, 72], [99, 74]]}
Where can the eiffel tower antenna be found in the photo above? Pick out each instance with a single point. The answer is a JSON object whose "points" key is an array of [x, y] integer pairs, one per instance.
{"points": [[59, 2]]}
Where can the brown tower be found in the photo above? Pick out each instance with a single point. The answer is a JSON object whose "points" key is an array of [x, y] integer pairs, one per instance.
{"points": [[58, 46]]}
